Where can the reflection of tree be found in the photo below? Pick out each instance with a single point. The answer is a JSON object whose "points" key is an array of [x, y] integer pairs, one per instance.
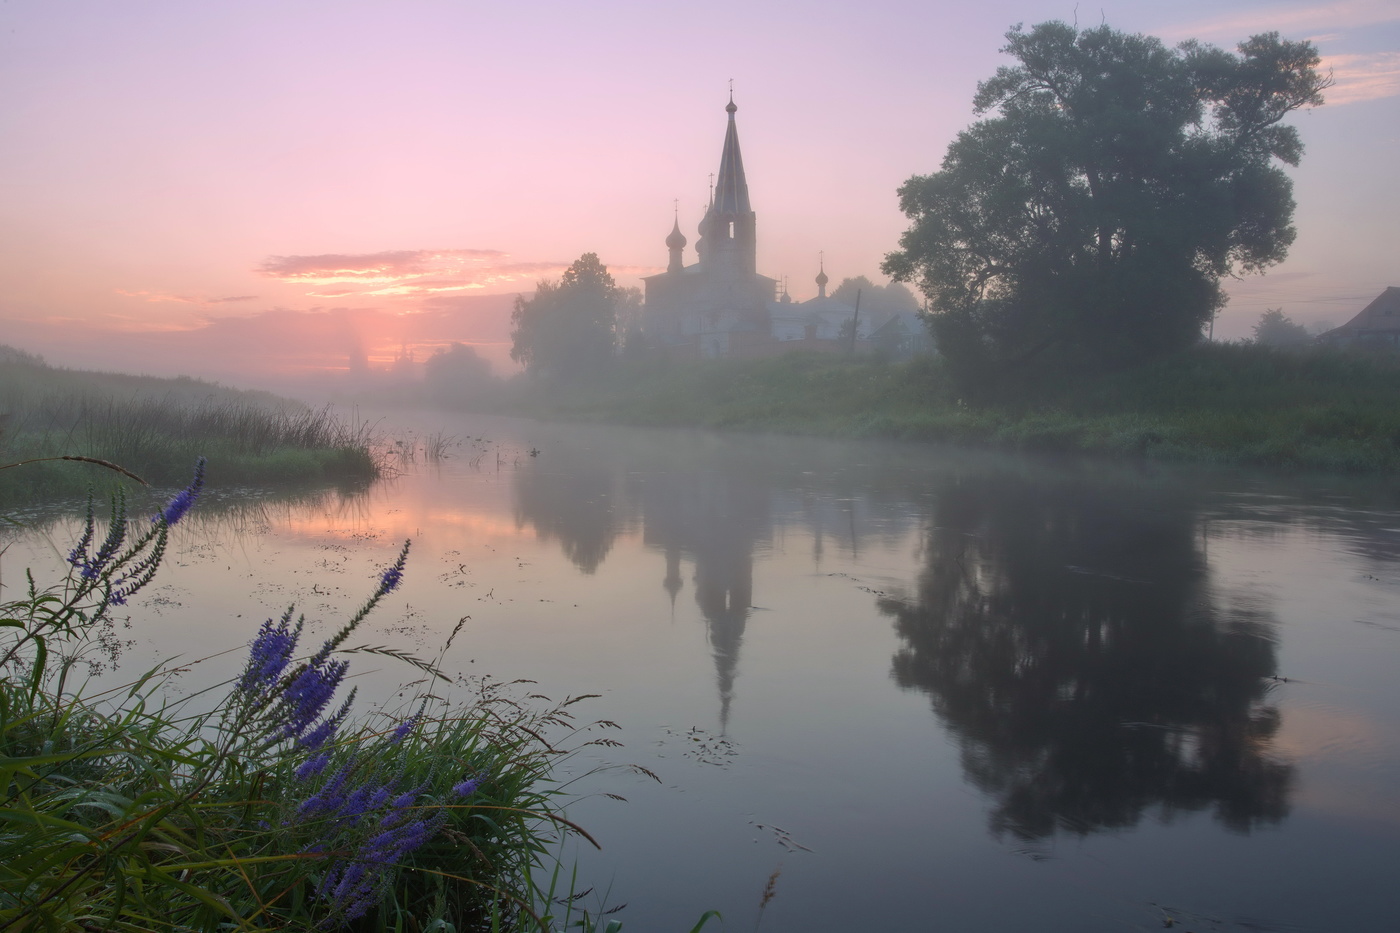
{"points": [[1069, 640], [575, 505]]}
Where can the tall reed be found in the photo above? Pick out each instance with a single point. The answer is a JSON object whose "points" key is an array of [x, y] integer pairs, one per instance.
{"points": [[248, 442]]}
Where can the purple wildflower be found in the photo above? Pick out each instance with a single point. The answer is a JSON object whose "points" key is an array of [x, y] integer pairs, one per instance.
{"points": [[307, 696], [79, 553], [403, 729], [467, 787], [313, 766], [405, 800], [350, 881], [356, 803], [400, 806], [269, 654], [325, 731], [330, 796], [176, 508], [91, 567], [366, 851], [391, 578]]}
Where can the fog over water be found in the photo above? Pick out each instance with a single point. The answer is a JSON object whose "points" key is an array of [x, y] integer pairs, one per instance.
{"points": [[933, 689]]}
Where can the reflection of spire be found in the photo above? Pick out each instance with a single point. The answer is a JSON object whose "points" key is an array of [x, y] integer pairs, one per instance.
{"points": [[724, 592], [673, 581], [715, 520]]}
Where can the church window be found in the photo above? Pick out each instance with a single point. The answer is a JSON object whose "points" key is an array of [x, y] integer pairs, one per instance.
{"points": [[731, 230]]}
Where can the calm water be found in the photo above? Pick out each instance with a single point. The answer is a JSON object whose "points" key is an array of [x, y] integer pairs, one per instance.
{"points": [[933, 690]]}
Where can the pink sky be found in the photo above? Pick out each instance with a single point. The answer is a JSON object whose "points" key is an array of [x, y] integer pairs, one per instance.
{"points": [[232, 189]]}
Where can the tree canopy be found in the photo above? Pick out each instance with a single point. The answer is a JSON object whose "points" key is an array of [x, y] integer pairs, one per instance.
{"points": [[1276, 329], [568, 330], [875, 299], [1116, 183], [455, 373]]}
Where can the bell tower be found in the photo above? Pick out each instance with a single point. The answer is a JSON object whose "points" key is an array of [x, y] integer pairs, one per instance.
{"points": [[728, 229]]}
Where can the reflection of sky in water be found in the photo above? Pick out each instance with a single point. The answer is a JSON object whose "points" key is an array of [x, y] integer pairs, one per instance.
{"points": [[879, 653]]}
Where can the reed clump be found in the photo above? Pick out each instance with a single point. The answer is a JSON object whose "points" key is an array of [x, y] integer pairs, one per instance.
{"points": [[148, 424]]}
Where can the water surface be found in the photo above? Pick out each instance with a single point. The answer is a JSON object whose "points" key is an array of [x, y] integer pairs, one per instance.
{"points": [[930, 689]]}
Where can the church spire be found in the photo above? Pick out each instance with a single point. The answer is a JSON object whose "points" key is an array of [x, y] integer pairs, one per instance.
{"points": [[727, 237], [732, 189], [821, 276]]}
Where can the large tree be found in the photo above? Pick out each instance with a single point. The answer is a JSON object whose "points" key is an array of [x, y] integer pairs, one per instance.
{"points": [[568, 330], [1114, 182]]}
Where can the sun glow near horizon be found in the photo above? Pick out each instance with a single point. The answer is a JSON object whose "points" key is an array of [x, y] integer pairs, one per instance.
{"points": [[205, 225]]}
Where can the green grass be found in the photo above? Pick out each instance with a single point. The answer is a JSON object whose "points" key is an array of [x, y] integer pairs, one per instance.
{"points": [[1235, 404], [128, 810], [157, 427]]}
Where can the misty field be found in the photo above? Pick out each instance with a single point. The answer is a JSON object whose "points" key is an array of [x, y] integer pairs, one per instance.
{"points": [[156, 427], [1216, 403]]}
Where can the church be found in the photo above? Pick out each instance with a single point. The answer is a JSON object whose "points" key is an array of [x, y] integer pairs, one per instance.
{"points": [[720, 306]]}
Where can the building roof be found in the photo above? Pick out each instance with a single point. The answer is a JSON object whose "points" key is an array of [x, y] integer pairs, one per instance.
{"points": [[1380, 316], [732, 189]]}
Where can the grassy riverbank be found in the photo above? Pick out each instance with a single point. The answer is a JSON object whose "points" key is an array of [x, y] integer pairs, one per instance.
{"points": [[1237, 404], [280, 807], [157, 427]]}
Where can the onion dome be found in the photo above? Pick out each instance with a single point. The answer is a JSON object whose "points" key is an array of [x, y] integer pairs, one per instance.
{"points": [[822, 279], [676, 239]]}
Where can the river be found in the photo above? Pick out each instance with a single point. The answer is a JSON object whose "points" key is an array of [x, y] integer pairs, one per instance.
{"points": [[904, 687]]}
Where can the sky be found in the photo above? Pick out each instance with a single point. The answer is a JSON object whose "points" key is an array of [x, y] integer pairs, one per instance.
{"points": [[246, 190]]}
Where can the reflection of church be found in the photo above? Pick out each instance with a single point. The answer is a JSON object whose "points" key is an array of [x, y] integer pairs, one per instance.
{"points": [[720, 305], [716, 520]]}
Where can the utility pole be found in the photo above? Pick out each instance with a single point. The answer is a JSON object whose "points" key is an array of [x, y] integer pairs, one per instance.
{"points": [[855, 323]]}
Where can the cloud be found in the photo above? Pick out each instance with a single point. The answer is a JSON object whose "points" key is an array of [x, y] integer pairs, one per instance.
{"points": [[276, 344], [1362, 77], [158, 296], [415, 273], [183, 299], [405, 273], [387, 266], [1309, 19], [1358, 77], [635, 270]]}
